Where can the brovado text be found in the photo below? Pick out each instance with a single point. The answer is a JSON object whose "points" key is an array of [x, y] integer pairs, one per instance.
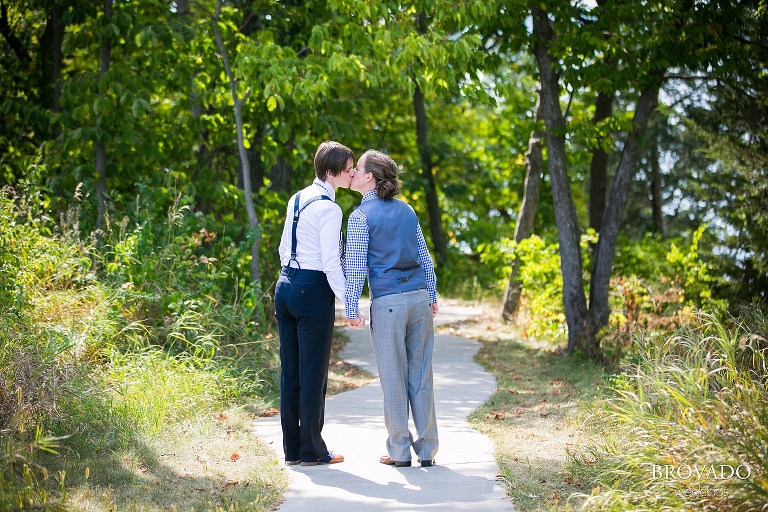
{"points": [[700, 472]]}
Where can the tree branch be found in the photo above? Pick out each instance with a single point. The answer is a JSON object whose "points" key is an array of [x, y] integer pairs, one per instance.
{"points": [[684, 76], [14, 42], [570, 103], [754, 42]]}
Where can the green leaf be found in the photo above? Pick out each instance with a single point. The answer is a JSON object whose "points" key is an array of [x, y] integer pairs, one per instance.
{"points": [[271, 103], [100, 106], [140, 105], [283, 132]]}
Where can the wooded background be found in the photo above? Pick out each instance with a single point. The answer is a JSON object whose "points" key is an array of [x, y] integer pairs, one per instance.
{"points": [[555, 151]]}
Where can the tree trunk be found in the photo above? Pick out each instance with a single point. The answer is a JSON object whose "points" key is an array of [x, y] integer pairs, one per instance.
{"points": [[50, 56], [433, 206], [253, 221], [528, 207], [57, 57], [255, 167], [196, 109], [598, 168], [565, 211], [425, 152], [656, 185], [280, 175], [606, 245], [182, 7], [101, 150]]}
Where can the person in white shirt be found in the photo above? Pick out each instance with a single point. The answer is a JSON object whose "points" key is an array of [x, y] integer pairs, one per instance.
{"points": [[312, 275]]}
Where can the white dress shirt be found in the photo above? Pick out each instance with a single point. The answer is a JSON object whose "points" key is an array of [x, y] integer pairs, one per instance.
{"points": [[317, 235]]}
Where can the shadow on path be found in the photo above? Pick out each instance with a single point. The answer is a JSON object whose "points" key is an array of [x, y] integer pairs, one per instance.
{"points": [[463, 480]]}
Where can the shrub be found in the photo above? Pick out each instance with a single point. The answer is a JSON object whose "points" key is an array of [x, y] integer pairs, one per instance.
{"points": [[657, 284], [542, 284]]}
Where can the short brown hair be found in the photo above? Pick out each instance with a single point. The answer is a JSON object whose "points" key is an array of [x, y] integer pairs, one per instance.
{"points": [[384, 171], [331, 157]]}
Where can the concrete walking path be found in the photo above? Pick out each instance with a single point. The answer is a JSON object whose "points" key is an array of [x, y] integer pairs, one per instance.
{"points": [[464, 478]]}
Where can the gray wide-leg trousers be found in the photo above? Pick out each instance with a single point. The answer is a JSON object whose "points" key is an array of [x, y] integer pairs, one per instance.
{"points": [[403, 338]]}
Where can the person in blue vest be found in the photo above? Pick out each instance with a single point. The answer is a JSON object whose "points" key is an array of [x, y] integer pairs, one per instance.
{"points": [[385, 244], [312, 275]]}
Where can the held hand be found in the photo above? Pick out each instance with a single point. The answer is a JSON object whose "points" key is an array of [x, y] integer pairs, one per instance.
{"points": [[434, 310], [357, 323]]}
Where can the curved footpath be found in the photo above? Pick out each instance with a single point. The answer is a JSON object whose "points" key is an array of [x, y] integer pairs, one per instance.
{"points": [[464, 478]]}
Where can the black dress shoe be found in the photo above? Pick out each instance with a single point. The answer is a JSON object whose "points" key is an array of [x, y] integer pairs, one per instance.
{"points": [[427, 463]]}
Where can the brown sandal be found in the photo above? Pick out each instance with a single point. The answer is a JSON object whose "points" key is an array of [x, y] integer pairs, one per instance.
{"points": [[386, 459]]}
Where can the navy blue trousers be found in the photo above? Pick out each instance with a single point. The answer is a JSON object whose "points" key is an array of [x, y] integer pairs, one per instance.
{"points": [[304, 308]]}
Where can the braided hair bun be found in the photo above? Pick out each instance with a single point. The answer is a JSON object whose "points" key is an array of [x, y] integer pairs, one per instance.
{"points": [[384, 171]]}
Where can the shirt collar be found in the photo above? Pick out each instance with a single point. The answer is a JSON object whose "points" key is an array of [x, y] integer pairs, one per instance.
{"points": [[327, 188], [371, 194]]}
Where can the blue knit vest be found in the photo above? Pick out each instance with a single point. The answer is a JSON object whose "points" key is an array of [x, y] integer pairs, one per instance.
{"points": [[394, 265]]}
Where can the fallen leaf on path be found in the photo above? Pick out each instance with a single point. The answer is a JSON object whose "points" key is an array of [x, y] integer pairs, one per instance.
{"points": [[496, 415], [234, 457], [269, 412], [221, 417]]}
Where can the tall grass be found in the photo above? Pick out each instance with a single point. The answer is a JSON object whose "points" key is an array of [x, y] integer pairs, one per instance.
{"points": [[106, 346], [685, 426]]}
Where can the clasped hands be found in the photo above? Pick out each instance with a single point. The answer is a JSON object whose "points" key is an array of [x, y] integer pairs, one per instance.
{"points": [[357, 323]]}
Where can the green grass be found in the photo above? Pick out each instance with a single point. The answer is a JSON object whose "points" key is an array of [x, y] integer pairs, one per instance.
{"points": [[570, 435], [118, 396], [143, 428]]}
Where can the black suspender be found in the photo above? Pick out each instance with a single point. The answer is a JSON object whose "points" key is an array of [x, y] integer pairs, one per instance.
{"points": [[296, 213]]}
